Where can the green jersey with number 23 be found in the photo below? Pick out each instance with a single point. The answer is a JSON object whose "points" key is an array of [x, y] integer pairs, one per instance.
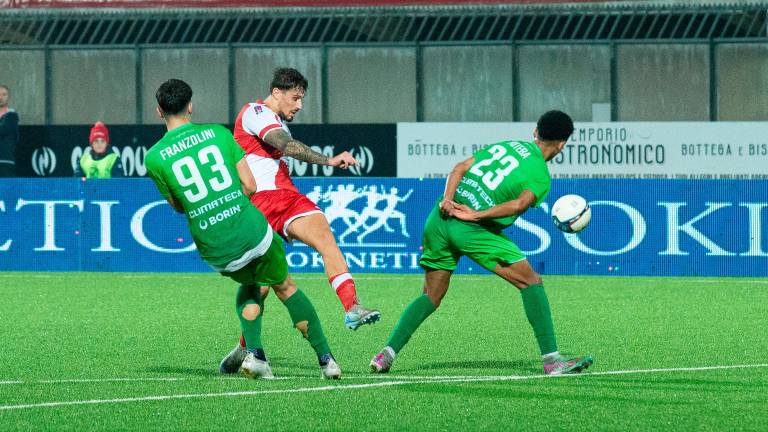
{"points": [[500, 173]]}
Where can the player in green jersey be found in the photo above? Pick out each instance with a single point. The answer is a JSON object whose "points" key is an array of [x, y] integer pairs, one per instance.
{"points": [[483, 195], [202, 172]]}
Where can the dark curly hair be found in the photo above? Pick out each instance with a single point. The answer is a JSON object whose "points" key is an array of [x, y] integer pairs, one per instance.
{"points": [[555, 126], [287, 79], [173, 96]]}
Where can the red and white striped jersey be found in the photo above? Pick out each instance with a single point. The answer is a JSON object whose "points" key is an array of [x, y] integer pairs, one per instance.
{"points": [[253, 123]]}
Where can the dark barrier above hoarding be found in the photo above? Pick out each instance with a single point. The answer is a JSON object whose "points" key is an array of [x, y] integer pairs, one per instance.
{"points": [[258, 3], [53, 151], [639, 227]]}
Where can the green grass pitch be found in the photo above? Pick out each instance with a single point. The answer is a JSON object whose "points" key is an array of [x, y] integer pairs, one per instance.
{"points": [[96, 351]]}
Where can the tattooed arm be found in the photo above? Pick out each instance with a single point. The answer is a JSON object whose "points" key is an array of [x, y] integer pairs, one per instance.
{"points": [[296, 149]]}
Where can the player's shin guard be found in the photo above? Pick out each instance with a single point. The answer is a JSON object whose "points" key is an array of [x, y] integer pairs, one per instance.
{"points": [[305, 319], [249, 294], [261, 305], [539, 315], [344, 286], [411, 318]]}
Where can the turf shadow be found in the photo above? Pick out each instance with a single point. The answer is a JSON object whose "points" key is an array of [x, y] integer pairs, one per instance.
{"points": [[676, 384], [505, 365], [196, 371], [528, 391]]}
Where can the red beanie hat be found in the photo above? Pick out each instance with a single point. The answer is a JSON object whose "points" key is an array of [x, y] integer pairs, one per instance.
{"points": [[99, 130]]}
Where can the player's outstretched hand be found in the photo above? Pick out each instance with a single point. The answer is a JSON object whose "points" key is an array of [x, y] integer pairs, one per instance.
{"points": [[460, 211], [342, 160]]}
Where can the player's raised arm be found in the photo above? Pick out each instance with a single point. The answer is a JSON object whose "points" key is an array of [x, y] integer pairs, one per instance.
{"points": [[294, 148], [517, 206], [246, 177]]}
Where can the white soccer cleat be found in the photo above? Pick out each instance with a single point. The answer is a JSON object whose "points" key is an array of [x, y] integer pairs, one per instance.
{"points": [[231, 363], [359, 315], [254, 368], [382, 361], [331, 369]]}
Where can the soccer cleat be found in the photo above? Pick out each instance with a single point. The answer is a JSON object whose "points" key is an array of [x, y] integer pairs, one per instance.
{"points": [[329, 368], [231, 363], [359, 315], [254, 368], [565, 366], [382, 361]]}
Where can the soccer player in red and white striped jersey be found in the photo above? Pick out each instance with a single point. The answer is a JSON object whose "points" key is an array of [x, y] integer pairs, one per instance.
{"points": [[261, 130]]}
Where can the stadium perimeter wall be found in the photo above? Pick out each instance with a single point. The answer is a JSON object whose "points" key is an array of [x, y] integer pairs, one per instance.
{"points": [[639, 227]]}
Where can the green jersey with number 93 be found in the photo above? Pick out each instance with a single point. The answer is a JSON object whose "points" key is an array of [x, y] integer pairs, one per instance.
{"points": [[195, 164], [500, 173]]}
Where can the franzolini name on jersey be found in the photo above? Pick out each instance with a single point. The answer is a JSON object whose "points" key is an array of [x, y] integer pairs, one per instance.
{"points": [[186, 142]]}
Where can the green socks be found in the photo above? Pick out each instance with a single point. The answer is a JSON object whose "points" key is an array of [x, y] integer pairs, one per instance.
{"points": [[537, 310], [305, 319], [250, 294], [409, 321]]}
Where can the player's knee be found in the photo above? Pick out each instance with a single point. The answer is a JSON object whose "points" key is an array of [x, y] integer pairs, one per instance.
{"points": [[287, 286], [251, 311], [435, 299], [525, 282]]}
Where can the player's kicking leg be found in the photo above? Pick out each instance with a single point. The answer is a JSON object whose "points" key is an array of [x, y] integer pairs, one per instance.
{"points": [[435, 286], [314, 231], [538, 312]]}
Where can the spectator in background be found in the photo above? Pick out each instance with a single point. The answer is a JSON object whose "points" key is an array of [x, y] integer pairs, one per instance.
{"points": [[99, 161], [9, 134]]}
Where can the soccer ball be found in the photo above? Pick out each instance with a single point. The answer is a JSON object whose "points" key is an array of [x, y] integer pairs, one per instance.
{"points": [[571, 213]]}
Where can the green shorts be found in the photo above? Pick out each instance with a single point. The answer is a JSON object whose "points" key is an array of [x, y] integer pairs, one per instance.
{"points": [[268, 269], [448, 239]]}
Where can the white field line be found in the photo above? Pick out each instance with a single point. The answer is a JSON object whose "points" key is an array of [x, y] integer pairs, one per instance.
{"points": [[364, 376], [422, 380]]}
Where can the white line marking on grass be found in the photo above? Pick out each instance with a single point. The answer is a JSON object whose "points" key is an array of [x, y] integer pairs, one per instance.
{"points": [[418, 380]]}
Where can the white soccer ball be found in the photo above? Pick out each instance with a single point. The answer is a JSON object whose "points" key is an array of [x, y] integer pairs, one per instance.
{"points": [[571, 213]]}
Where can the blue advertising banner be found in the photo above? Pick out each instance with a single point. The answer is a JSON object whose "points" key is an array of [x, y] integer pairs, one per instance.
{"points": [[639, 227]]}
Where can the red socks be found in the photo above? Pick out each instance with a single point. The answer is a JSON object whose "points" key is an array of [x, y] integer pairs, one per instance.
{"points": [[344, 286]]}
